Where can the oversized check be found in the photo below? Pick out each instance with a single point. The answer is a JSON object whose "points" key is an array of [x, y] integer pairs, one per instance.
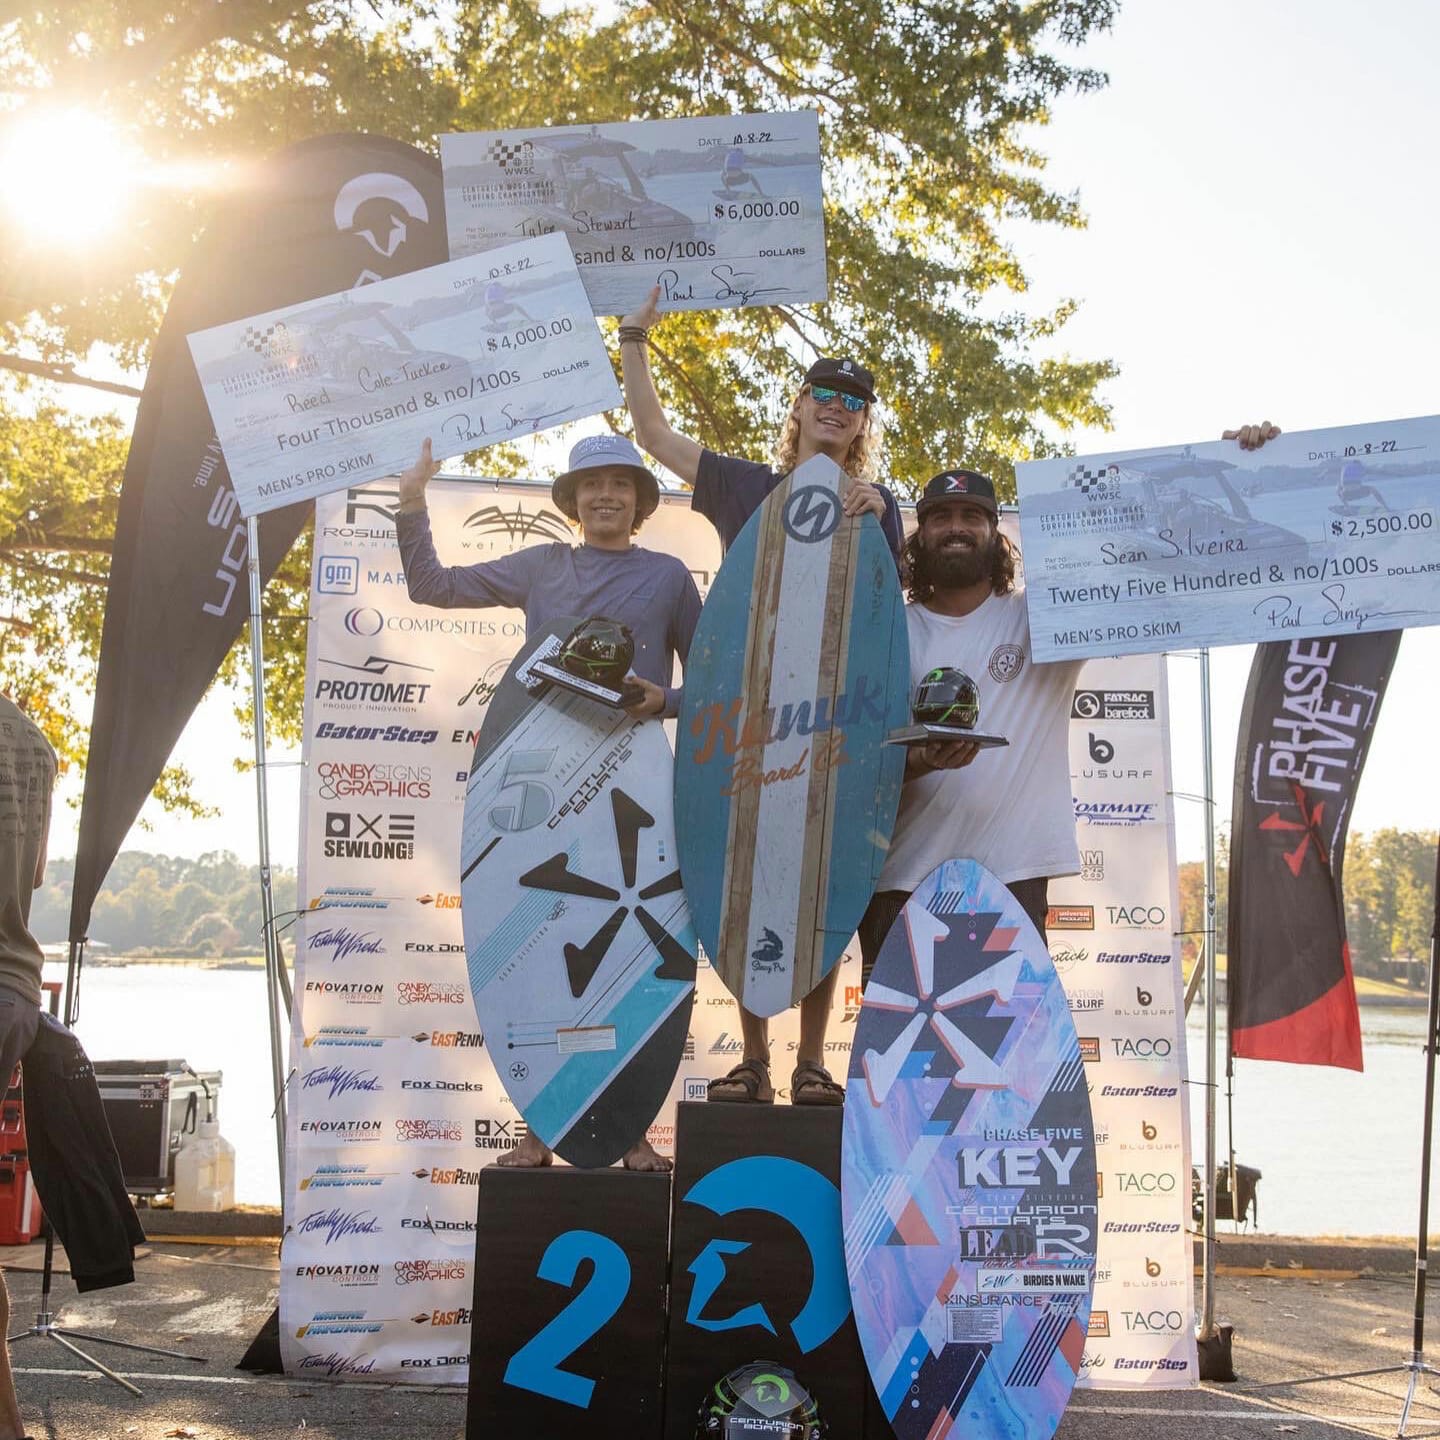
{"points": [[1323, 532], [334, 391], [718, 211]]}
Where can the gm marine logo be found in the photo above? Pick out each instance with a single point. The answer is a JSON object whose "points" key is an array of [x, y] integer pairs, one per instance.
{"points": [[810, 1205]]}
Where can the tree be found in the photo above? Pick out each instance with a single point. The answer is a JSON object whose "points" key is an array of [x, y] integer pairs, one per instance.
{"points": [[927, 110]]}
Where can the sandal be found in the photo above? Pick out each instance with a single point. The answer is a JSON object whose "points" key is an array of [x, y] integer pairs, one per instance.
{"points": [[753, 1076], [813, 1084]]}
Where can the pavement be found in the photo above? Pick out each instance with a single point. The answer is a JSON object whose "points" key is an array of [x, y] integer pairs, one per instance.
{"points": [[1299, 1308]]}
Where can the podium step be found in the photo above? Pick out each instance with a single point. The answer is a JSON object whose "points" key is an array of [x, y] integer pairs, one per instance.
{"points": [[569, 1311], [757, 1267]]}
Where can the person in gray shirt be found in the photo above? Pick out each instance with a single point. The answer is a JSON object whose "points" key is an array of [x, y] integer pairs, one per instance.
{"points": [[608, 492], [27, 777]]}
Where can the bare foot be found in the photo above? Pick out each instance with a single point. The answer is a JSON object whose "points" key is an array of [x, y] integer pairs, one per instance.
{"points": [[531, 1153], [642, 1155]]}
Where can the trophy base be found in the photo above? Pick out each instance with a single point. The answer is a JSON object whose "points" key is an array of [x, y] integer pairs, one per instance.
{"points": [[909, 735]]}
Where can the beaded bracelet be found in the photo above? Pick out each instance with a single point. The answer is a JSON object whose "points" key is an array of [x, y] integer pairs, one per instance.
{"points": [[636, 333]]}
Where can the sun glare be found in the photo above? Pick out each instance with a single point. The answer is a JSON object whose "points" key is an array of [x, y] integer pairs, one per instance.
{"points": [[67, 179]]}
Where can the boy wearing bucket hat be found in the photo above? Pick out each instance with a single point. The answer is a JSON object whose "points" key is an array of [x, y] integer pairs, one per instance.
{"points": [[607, 491]]}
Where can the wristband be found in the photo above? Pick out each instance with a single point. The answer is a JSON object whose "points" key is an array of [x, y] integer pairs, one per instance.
{"points": [[634, 334]]}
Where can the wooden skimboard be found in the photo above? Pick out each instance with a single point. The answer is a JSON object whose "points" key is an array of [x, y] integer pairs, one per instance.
{"points": [[785, 796], [578, 940], [968, 1187]]}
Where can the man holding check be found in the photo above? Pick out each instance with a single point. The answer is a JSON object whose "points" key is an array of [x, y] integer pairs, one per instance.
{"points": [[833, 414], [609, 493]]}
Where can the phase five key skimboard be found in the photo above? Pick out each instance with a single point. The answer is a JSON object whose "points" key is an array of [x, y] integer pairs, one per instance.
{"points": [[968, 1186], [785, 796], [577, 937]]}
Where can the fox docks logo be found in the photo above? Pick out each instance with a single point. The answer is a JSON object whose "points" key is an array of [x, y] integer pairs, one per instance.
{"points": [[351, 835]]}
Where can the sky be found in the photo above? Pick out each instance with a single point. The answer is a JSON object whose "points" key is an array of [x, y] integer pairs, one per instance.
{"points": [[1262, 216]]}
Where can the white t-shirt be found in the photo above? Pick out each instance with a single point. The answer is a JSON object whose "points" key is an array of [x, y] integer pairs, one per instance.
{"points": [[1011, 807]]}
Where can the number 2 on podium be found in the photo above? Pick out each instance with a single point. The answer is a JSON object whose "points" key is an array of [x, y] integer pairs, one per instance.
{"points": [[535, 1366]]}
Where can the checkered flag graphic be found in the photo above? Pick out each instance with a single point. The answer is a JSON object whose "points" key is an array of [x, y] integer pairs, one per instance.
{"points": [[1085, 480], [273, 340], [505, 154]]}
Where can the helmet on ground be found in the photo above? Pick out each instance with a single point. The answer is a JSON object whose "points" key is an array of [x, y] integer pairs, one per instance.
{"points": [[946, 696], [759, 1399], [598, 650]]}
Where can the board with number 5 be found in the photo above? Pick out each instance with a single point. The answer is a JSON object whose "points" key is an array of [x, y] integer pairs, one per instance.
{"points": [[578, 940]]}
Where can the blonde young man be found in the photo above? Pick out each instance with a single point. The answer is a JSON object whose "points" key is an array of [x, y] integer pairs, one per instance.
{"points": [[832, 414]]}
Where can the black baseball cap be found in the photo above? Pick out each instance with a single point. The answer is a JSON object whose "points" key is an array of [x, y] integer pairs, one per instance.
{"points": [[958, 485], [847, 375]]}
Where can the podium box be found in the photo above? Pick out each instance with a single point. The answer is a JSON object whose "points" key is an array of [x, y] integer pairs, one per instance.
{"points": [[568, 1320], [757, 1266]]}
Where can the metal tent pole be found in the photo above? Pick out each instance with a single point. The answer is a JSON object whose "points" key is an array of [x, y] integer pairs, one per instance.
{"points": [[1207, 1309], [273, 984]]}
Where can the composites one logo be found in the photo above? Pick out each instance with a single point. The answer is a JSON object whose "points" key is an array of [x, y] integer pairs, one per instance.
{"points": [[1113, 705], [1121, 814], [368, 780], [339, 942], [810, 1205], [366, 622], [334, 1225]]}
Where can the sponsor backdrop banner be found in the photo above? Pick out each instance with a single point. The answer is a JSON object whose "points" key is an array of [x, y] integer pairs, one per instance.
{"points": [[395, 1101], [1310, 710], [328, 213], [1323, 532]]}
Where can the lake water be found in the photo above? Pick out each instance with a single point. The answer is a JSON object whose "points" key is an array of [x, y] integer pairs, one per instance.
{"points": [[1339, 1151]]}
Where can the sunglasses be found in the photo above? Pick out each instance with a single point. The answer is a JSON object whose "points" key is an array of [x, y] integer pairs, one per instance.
{"points": [[824, 394]]}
